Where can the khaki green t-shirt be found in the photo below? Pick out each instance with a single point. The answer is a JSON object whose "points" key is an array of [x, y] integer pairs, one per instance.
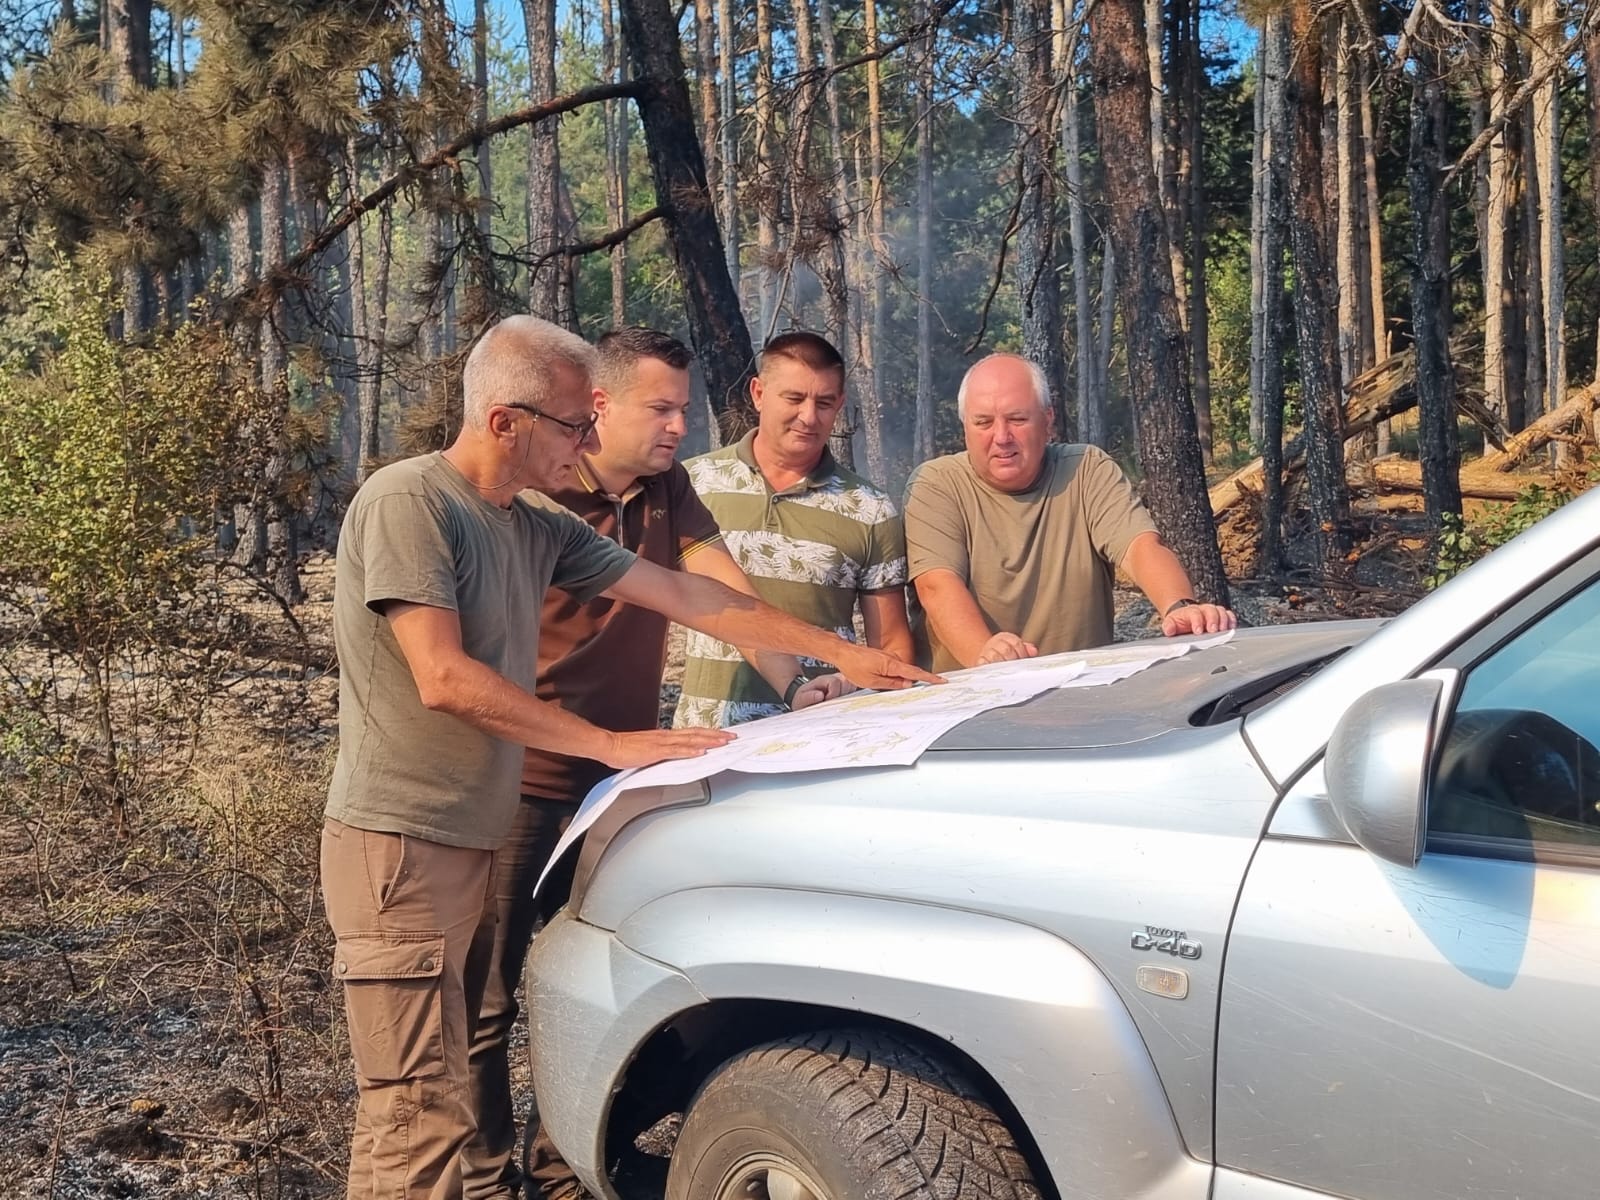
{"points": [[810, 550], [1040, 563], [417, 531]]}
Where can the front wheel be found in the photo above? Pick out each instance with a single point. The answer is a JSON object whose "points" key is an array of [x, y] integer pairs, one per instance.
{"points": [[844, 1115]]}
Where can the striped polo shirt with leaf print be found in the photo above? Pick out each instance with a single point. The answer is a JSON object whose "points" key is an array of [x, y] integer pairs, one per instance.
{"points": [[809, 550]]}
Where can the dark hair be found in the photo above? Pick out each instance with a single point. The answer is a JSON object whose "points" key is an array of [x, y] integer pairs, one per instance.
{"points": [[810, 349], [619, 349]]}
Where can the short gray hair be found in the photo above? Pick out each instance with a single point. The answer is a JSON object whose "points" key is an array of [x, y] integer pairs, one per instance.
{"points": [[513, 362], [1041, 385]]}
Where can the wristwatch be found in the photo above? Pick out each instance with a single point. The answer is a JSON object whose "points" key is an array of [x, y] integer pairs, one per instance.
{"points": [[1177, 604], [795, 684]]}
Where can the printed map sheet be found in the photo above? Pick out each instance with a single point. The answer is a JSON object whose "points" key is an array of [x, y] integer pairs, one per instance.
{"points": [[883, 729]]}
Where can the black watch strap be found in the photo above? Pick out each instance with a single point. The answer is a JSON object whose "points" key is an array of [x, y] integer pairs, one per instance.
{"points": [[795, 684], [1177, 604]]}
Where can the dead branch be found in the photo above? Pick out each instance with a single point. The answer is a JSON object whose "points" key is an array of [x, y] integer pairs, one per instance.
{"points": [[285, 274], [1522, 96], [1383, 391], [1545, 430]]}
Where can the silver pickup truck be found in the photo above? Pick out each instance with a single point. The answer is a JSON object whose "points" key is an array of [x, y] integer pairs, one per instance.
{"points": [[1315, 912]]}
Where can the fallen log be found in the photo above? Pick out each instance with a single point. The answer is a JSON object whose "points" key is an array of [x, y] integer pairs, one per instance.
{"points": [[1546, 429], [1477, 483], [1378, 393]]}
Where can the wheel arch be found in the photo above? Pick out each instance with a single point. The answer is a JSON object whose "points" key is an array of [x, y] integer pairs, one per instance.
{"points": [[679, 1057], [1032, 1021]]}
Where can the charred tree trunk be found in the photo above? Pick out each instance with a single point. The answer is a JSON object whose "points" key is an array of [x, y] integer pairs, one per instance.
{"points": [[728, 127], [544, 165], [1038, 286], [716, 326], [614, 120], [1437, 444], [1158, 368], [1547, 33], [875, 251], [768, 188], [128, 30], [1274, 326], [1090, 394], [923, 428], [1591, 64], [1314, 308]]}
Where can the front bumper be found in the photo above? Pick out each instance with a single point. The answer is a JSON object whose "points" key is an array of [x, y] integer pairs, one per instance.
{"points": [[592, 1002]]}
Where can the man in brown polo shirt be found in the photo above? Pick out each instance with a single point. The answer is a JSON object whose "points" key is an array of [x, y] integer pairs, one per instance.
{"points": [[602, 660]]}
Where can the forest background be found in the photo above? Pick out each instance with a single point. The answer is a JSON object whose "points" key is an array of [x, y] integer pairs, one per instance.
{"points": [[1320, 275]]}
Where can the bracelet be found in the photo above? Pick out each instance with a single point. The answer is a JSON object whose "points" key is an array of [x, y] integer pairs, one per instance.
{"points": [[1177, 604], [795, 684]]}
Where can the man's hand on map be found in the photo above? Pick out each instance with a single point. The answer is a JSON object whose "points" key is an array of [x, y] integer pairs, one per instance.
{"points": [[823, 687], [869, 668], [1197, 618], [649, 746], [1005, 647]]}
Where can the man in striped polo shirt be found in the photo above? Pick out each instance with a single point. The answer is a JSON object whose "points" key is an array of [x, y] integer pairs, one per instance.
{"points": [[815, 539]]}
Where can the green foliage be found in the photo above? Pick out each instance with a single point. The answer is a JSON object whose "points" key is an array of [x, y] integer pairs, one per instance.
{"points": [[1459, 544], [110, 453], [113, 459]]}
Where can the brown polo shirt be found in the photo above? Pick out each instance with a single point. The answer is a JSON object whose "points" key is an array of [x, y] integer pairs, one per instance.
{"points": [[600, 658]]}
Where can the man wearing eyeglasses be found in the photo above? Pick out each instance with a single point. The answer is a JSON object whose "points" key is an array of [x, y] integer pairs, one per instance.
{"points": [[440, 572], [602, 660]]}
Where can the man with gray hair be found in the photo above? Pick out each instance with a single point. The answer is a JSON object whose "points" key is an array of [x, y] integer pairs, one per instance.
{"points": [[440, 573], [1013, 545]]}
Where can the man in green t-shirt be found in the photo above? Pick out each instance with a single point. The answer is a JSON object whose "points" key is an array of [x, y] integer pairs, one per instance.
{"points": [[437, 587], [815, 539], [1013, 545]]}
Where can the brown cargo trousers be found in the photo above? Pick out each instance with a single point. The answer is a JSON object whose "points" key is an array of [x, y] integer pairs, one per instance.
{"points": [[489, 1162], [414, 926]]}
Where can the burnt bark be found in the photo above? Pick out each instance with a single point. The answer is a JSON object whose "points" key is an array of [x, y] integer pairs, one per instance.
{"points": [[717, 329], [1274, 331], [1438, 446], [1158, 349], [1314, 308], [544, 165], [1038, 285]]}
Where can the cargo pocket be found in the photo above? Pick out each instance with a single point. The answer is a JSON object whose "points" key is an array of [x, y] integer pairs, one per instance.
{"points": [[392, 1002]]}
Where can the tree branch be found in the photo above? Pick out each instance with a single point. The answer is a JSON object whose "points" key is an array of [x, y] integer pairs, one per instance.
{"points": [[1523, 94], [615, 238], [280, 276], [912, 33]]}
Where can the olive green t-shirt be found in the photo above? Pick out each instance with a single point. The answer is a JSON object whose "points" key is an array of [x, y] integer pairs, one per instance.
{"points": [[418, 532], [1040, 563]]}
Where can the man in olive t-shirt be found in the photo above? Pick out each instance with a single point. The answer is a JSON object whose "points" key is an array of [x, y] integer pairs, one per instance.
{"points": [[1013, 545]]}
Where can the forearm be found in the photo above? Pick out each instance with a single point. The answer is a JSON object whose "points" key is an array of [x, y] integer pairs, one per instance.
{"points": [[487, 700], [752, 625], [1157, 572], [954, 615], [778, 670], [714, 562]]}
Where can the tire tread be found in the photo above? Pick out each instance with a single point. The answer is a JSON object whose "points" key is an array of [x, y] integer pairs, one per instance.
{"points": [[913, 1126]]}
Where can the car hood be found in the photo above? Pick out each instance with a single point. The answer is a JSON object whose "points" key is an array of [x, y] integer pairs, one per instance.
{"points": [[1204, 686]]}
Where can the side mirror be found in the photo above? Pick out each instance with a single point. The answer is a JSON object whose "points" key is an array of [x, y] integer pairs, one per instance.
{"points": [[1378, 764]]}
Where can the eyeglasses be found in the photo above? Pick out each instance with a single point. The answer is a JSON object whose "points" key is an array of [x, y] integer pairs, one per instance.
{"points": [[580, 430]]}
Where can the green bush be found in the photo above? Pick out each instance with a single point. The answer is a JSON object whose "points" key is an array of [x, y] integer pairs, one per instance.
{"points": [[113, 459], [1459, 544]]}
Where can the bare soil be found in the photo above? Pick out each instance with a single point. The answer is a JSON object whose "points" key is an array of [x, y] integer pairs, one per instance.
{"points": [[167, 1022]]}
